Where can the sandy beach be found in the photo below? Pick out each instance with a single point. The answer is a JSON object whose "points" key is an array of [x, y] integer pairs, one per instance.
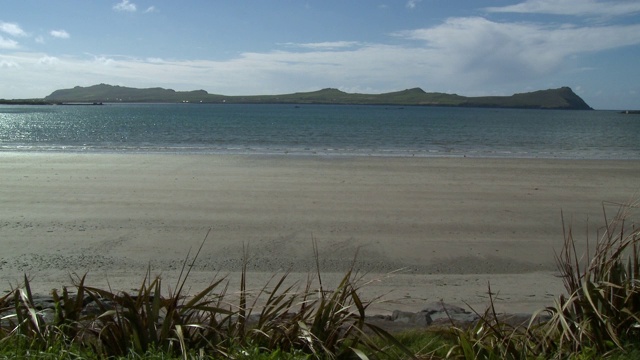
{"points": [[449, 225]]}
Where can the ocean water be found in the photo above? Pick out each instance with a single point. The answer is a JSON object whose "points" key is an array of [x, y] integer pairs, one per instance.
{"points": [[321, 130]]}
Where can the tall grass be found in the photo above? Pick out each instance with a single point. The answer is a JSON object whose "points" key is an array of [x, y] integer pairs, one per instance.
{"points": [[599, 316], [602, 305], [321, 323]]}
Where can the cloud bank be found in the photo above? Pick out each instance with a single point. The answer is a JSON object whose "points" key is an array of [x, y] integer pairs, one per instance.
{"points": [[8, 44], [571, 7]]}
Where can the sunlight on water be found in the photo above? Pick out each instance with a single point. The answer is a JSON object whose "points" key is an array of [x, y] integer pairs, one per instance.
{"points": [[321, 130]]}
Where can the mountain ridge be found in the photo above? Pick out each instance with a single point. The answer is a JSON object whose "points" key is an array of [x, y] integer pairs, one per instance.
{"points": [[560, 98]]}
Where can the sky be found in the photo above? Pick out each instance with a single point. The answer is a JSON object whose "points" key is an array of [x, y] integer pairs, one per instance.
{"points": [[241, 47]]}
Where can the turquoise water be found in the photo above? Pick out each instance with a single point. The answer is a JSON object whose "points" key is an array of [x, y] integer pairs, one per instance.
{"points": [[321, 130]]}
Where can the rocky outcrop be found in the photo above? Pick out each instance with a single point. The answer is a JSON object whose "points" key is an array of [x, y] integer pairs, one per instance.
{"points": [[442, 315], [433, 315]]}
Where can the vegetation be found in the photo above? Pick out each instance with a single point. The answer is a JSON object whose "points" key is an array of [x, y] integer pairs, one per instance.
{"points": [[316, 323], [598, 317], [24, 102], [562, 98]]}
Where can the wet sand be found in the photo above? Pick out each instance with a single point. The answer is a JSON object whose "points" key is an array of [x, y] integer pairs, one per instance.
{"points": [[449, 225]]}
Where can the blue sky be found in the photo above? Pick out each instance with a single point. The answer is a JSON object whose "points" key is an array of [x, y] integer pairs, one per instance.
{"points": [[239, 47]]}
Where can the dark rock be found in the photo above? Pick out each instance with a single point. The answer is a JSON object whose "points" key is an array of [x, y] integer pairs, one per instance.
{"points": [[417, 319], [421, 319], [401, 316], [442, 311], [439, 307]]}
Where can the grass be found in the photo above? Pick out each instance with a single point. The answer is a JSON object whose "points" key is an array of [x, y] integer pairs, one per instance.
{"points": [[602, 309], [312, 323], [599, 317]]}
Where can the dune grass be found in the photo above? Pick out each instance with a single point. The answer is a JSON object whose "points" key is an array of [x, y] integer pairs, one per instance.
{"points": [[598, 317], [315, 323]]}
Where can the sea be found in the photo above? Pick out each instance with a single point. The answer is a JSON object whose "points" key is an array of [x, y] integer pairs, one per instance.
{"points": [[320, 130]]}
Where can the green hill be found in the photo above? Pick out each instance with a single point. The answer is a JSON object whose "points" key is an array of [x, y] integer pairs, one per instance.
{"points": [[111, 93], [562, 98]]}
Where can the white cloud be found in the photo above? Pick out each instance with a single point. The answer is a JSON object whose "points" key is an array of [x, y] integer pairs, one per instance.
{"points": [[12, 29], [8, 64], [103, 60], [48, 60], [571, 7], [411, 4], [494, 50], [150, 9], [60, 34], [39, 39], [8, 43], [125, 5], [461, 55], [329, 45]]}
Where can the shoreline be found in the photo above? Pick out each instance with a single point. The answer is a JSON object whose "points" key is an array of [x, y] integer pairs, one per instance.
{"points": [[309, 154], [452, 224]]}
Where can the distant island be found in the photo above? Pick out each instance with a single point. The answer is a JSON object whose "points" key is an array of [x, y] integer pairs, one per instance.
{"points": [[561, 98]]}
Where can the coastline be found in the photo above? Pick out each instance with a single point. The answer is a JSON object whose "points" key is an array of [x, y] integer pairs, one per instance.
{"points": [[450, 224]]}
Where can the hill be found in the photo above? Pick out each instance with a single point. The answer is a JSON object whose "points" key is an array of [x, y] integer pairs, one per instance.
{"points": [[562, 98]]}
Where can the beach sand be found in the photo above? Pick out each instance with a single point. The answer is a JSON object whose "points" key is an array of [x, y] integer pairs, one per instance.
{"points": [[446, 226]]}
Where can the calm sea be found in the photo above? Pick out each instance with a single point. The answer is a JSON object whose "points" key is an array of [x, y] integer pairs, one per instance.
{"points": [[321, 130]]}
